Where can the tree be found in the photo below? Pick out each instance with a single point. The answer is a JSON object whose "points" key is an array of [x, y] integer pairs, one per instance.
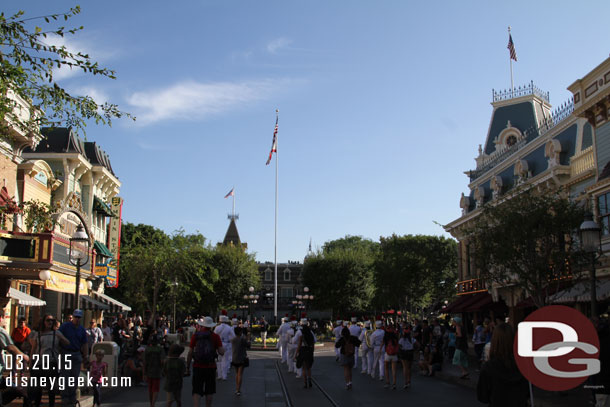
{"points": [[527, 241], [237, 271], [415, 271], [27, 64], [341, 275]]}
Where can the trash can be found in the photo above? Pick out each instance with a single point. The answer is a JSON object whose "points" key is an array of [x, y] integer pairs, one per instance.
{"points": [[111, 356]]}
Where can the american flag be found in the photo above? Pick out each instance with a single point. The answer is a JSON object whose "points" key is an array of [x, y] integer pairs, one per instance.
{"points": [[274, 144], [231, 193], [511, 48]]}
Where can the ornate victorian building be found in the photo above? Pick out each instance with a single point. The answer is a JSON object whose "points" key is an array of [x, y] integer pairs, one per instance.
{"points": [[528, 142]]}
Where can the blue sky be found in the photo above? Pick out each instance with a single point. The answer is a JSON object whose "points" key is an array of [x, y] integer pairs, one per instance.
{"points": [[382, 105]]}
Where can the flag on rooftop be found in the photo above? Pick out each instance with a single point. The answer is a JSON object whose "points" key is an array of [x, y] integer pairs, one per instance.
{"points": [[274, 143], [511, 48], [231, 193]]}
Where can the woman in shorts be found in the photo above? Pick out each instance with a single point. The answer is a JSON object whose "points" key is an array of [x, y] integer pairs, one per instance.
{"points": [[406, 345], [349, 346], [240, 357]]}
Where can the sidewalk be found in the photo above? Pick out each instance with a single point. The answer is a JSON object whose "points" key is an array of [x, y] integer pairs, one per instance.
{"points": [[542, 398]]}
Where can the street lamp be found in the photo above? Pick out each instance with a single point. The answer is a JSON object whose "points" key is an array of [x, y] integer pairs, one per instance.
{"points": [[79, 256], [175, 287], [252, 299], [590, 241]]}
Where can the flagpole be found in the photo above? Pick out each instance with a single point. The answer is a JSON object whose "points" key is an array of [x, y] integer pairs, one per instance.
{"points": [[275, 244], [512, 86], [233, 201]]}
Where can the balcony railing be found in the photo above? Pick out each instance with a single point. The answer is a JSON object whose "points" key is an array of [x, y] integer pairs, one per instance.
{"points": [[582, 162], [471, 286]]}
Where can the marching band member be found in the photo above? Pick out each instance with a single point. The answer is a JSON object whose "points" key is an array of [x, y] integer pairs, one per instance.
{"points": [[367, 348], [337, 334], [355, 330], [226, 334], [283, 339], [292, 347], [378, 349]]}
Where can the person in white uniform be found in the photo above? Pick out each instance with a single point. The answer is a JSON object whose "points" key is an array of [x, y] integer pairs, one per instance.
{"points": [[292, 347], [367, 348], [355, 330], [337, 335], [226, 334], [294, 342], [283, 339], [378, 349]]}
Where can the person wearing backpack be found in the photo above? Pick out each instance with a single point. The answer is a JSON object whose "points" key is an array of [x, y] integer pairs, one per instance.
{"points": [[305, 340], [390, 341], [203, 348], [348, 344]]}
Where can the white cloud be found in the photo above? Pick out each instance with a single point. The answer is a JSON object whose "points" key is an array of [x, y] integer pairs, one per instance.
{"points": [[195, 101], [98, 96], [274, 46]]}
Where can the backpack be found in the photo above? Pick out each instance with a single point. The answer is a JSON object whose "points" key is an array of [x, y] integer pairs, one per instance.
{"points": [[348, 348], [205, 352], [391, 347], [308, 337]]}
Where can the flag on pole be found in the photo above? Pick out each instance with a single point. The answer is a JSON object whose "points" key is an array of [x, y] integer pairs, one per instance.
{"points": [[274, 144], [231, 193], [511, 48]]}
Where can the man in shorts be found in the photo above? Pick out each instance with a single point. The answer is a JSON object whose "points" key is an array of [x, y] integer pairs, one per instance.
{"points": [[204, 373]]}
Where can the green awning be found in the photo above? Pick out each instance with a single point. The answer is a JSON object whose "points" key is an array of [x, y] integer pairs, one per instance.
{"points": [[101, 249], [101, 207]]}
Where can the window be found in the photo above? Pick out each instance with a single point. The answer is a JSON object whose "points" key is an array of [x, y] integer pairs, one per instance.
{"points": [[286, 292], [603, 204], [287, 275], [21, 309], [268, 275]]}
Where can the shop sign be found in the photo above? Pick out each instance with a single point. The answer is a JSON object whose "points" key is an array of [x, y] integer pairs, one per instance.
{"points": [[114, 235], [65, 283]]}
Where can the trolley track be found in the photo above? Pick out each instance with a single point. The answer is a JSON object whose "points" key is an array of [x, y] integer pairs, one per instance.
{"points": [[321, 397]]}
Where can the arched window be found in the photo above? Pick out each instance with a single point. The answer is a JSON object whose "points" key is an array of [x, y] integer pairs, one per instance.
{"points": [[268, 275], [287, 275]]}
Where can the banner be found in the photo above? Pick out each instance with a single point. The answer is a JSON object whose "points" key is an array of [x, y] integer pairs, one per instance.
{"points": [[65, 283], [114, 235], [108, 272]]}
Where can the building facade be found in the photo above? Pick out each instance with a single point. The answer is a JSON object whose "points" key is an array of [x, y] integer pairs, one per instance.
{"points": [[529, 143]]}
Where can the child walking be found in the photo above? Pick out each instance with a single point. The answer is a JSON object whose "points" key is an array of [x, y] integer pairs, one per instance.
{"points": [[98, 369], [174, 370]]}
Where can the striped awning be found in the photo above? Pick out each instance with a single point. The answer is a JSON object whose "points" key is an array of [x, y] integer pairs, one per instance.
{"points": [[91, 303], [25, 299], [581, 292], [114, 305]]}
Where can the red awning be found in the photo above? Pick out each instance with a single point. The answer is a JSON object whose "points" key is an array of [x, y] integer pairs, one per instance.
{"points": [[451, 307], [483, 299], [466, 305]]}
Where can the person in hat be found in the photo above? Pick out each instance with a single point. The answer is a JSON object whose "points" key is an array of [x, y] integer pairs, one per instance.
{"points": [[367, 348], [204, 365], [378, 349], [305, 340], [337, 335], [76, 351], [282, 334], [292, 346], [355, 330], [226, 334]]}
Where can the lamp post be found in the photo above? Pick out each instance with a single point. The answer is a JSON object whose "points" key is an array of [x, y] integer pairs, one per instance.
{"points": [[591, 243], [79, 256], [175, 287], [252, 299]]}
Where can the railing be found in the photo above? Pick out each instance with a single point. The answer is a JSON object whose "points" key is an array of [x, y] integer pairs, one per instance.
{"points": [[471, 286], [582, 162], [529, 89], [544, 126]]}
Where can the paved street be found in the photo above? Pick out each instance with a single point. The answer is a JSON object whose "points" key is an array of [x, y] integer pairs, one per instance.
{"points": [[262, 388]]}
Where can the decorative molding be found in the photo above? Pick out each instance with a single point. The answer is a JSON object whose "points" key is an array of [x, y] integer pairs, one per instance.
{"points": [[552, 151]]}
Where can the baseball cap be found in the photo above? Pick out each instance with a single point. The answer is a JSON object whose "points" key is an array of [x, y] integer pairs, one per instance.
{"points": [[77, 313]]}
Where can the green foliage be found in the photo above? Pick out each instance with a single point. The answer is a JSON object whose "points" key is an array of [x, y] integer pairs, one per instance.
{"points": [[237, 272], [527, 241], [38, 216], [341, 275], [27, 64], [415, 271]]}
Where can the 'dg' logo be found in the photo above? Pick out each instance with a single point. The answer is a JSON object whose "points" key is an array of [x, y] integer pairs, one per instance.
{"points": [[557, 348]]}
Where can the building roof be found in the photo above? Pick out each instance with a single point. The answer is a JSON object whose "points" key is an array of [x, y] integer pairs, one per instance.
{"points": [[232, 235], [58, 140], [97, 156]]}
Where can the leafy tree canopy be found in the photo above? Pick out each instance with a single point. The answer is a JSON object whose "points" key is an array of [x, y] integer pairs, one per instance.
{"points": [[28, 62]]}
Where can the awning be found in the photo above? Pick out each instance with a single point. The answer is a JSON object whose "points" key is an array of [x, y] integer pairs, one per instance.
{"points": [[483, 300], [470, 300], [91, 303], [114, 304], [449, 308], [101, 249], [101, 207], [25, 299], [581, 292]]}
